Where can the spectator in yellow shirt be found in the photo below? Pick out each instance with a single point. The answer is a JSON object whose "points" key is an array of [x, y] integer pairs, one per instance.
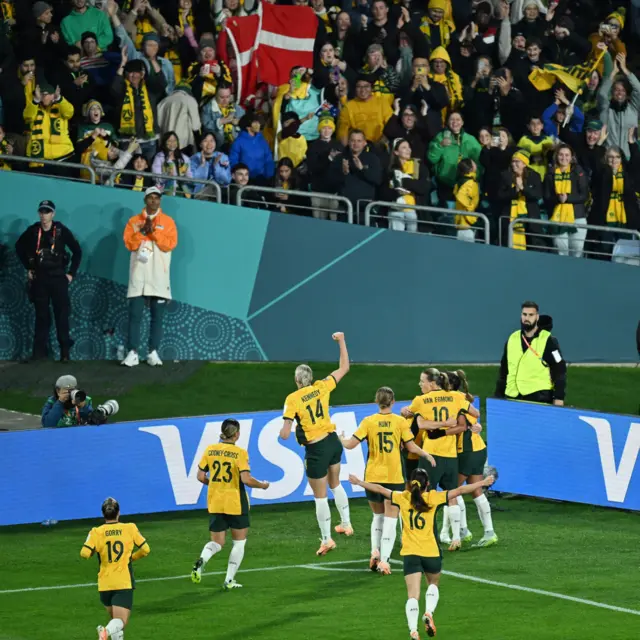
{"points": [[366, 112], [467, 195]]}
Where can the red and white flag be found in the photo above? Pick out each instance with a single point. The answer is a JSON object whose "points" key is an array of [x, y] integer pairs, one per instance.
{"points": [[268, 44]]}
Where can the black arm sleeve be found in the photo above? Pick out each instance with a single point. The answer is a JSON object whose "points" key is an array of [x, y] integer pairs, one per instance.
{"points": [[501, 383], [557, 369]]}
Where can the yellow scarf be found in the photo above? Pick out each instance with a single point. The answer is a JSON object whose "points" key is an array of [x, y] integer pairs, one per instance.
{"points": [[453, 85], [616, 213], [227, 129], [518, 209], [378, 86], [128, 115], [410, 167], [138, 185], [29, 87], [563, 212], [210, 82], [188, 23], [8, 12], [3, 152], [173, 56], [45, 126], [143, 26], [446, 28]]}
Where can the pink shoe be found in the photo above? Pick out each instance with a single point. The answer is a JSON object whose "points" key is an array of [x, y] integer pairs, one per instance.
{"points": [[325, 547], [384, 568], [374, 560], [347, 529]]}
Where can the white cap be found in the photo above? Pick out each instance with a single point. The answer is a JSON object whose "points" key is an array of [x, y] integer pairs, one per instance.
{"points": [[66, 382], [151, 190]]}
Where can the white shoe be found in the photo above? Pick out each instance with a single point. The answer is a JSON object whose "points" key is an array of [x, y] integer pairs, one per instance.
{"points": [[131, 360], [445, 538], [153, 359]]}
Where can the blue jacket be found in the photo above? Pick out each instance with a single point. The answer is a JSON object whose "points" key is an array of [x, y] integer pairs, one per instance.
{"points": [[253, 151], [211, 170], [550, 125], [54, 414]]}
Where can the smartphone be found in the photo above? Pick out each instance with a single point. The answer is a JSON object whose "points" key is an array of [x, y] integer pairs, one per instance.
{"points": [[482, 65], [421, 71], [207, 68]]}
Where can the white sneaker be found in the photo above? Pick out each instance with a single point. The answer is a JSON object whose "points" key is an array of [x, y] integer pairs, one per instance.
{"points": [[153, 359], [131, 360]]}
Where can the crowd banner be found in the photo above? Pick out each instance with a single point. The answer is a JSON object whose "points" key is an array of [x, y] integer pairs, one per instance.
{"points": [[66, 473], [565, 454]]}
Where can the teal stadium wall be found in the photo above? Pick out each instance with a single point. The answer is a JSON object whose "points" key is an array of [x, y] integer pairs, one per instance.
{"points": [[254, 285]]}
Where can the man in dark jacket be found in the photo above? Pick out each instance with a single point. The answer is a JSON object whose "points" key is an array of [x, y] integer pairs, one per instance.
{"points": [[75, 84], [42, 249], [564, 46], [422, 88], [136, 96], [357, 171], [532, 367]]}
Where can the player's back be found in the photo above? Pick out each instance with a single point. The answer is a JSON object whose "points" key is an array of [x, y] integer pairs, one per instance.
{"points": [[419, 527], [384, 433], [309, 407], [226, 493], [115, 543]]}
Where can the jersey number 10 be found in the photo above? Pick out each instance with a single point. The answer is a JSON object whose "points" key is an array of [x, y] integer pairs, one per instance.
{"points": [[318, 414]]}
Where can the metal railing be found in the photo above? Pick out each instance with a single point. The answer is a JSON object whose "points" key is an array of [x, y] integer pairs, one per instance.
{"points": [[585, 244], [10, 160], [347, 207], [204, 194], [434, 228]]}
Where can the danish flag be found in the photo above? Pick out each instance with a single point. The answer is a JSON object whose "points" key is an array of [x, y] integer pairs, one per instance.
{"points": [[268, 44]]}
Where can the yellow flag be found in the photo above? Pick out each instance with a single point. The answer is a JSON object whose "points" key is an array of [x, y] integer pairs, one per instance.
{"points": [[573, 77]]}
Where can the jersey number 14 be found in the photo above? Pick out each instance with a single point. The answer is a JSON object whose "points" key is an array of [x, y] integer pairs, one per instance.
{"points": [[319, 413]]}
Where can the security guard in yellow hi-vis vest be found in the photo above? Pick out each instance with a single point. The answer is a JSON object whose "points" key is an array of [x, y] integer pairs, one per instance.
{"points": [[532, 367]]}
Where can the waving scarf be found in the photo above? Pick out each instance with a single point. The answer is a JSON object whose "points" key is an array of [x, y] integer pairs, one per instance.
{"points": [[128, 114]]}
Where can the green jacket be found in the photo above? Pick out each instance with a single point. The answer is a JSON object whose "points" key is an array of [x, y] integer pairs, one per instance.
{"points": [[94, 20], [445, 159]]}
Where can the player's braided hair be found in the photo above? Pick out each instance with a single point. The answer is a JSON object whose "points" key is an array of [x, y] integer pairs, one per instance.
{"points": [[110, 509], [458, 382], [418, 484], [229, 428]]}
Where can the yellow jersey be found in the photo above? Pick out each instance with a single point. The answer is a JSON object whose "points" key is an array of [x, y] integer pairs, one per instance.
{"points": [[439, 406], [309, 407], [115, 543], [226, 493], [419, 440], [384, 432], [419, 528], [469, 441]]}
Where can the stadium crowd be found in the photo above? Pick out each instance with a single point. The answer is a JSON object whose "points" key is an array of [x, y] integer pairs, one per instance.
{"points": [[526, 108]]}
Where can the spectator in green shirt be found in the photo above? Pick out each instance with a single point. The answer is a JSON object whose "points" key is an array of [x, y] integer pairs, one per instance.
{"points": [[84, 18]]}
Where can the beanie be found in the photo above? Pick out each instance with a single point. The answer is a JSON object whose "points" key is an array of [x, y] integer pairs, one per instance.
{"points": [[438, 4], [620, 14], [151, 36], [89, 105], [523, 155], [325, 120], [40, 7]]}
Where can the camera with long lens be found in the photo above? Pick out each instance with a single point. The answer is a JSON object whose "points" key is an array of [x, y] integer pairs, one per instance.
{"points": [[103, 412], [77, 396]]}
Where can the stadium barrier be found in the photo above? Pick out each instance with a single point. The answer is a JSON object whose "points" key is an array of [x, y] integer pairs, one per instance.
{"points": [[206, 194], [565, 454], [342, 205], [592, 247], [17, 163], [151, 466], [444, 228]]}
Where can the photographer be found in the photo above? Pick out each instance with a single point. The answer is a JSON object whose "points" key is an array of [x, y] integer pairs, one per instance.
{"points": [[42, 249], [67, 407]]}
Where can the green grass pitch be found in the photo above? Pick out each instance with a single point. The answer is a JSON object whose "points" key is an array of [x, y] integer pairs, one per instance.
{"points": [[553, 551]]}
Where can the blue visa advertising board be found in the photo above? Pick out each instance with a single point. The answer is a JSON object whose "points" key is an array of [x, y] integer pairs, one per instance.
{"points": [[565, 454], [66, 473]]}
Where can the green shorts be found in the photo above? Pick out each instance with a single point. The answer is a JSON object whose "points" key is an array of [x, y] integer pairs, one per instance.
{"points": [[319, 456], [377, 497], [471, 463], [445, 473], [420, 564], [117, 598], [223, 521]]}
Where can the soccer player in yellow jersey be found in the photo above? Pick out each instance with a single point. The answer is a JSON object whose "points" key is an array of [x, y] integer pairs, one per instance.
{"points": [[441, 413], [309, 407], [115, 543], [384, 432], [420, 549], [224, 468], [472, 456]]}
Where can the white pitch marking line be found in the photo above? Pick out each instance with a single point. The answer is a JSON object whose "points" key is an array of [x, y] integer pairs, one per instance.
{"points": [[188, 575], [326, 566]]}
